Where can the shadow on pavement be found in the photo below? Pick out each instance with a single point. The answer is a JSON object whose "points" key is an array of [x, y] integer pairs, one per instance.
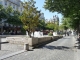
{"points": [[3, 42], [66, 37], [56, 47], [78, 43]]}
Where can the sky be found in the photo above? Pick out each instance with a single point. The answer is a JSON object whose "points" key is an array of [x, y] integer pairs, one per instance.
{"points": [[47, 14]]}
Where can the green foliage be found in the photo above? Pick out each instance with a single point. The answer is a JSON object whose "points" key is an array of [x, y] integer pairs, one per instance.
{"points": [[25, 27], [50, 26], [65, 24], [9, 10], [50, 34], [10, 16], [66, 7], [42, 24], [13, 16], [56, 27], [61, 27], [23, 31], [3, 14]]}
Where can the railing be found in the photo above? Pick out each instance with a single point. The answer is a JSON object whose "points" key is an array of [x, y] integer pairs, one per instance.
{"points": [[15, 2]]}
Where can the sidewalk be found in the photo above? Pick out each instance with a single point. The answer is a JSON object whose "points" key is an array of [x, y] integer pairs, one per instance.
{"points": [[77, 48], [7, 48], [62, 49]]}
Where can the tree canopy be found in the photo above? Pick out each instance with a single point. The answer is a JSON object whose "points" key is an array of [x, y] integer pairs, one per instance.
{"points": [[65, 7], [42, 25], [13, 16]]}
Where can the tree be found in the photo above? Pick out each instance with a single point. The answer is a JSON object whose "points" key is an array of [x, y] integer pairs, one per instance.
{"points": [[30, 16], [13, 16], [65, 23], [42, 25], [3, 14], [68, 8], [50, 26]]}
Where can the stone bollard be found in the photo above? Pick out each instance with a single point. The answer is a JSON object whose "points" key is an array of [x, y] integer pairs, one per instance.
{"points": [[0, 43], [26, 46]]}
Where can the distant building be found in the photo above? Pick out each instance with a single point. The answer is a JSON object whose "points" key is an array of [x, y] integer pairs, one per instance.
{"points": [[56, 20], [17, 5], [42, 16]]}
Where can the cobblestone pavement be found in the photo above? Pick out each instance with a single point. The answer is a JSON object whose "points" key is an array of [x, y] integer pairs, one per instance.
{"points": [[7, 48], [62, 49]]}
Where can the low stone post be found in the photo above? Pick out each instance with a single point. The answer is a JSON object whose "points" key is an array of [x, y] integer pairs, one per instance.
{"points": [[26, 46], [0, 43]]}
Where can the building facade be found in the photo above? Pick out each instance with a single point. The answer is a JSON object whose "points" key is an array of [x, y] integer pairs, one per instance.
{"points": [[54, 20], [42, 16], [15, 4]]}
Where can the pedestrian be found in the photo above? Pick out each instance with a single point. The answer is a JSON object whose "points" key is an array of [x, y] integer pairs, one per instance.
{"points": [[67, 33]]}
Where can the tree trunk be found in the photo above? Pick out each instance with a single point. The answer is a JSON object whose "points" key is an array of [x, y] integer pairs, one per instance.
{"points": [[29, 31], [78, 30], [29, 34]]}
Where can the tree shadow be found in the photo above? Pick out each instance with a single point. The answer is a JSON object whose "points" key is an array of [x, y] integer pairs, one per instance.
{"points": [[66, 38], [78, 43], [56, 47]]}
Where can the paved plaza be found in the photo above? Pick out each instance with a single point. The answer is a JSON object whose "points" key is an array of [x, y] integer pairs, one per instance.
{"points": [[62, 49]]}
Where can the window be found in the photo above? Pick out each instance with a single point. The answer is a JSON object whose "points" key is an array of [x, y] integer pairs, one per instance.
{"points": [[17, 8], [21, 9], [14, 6], [10, 4], [5, 2]]}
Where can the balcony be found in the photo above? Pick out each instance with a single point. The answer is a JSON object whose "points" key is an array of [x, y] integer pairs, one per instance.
{"points": [[17, 2]]}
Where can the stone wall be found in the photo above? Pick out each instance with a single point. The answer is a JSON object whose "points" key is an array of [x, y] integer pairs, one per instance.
{"points": [[32, 41]]}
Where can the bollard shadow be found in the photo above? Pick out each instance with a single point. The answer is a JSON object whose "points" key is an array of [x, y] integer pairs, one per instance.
{"points": [[30, 50], [56, 47], [3, 42]]}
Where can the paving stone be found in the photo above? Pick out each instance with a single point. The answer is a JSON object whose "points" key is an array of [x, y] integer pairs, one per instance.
{"points": [[62, 49]]}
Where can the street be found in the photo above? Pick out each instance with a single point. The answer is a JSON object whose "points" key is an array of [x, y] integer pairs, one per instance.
{"points": [[62, 49]]}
